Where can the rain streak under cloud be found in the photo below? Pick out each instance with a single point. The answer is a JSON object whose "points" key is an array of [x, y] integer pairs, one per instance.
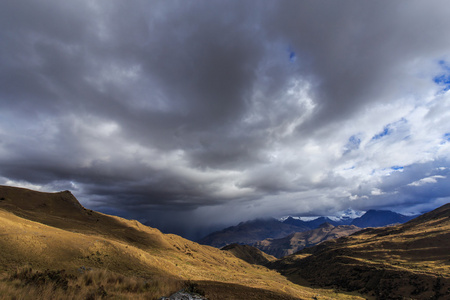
{"points": [[197, 115]]}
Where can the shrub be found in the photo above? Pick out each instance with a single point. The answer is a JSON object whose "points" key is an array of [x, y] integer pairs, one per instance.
{"points": [[192, 287]]}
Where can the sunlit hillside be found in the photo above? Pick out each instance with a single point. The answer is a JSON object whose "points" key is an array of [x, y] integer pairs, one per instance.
{"points": [[53, 232], [249, 254]]}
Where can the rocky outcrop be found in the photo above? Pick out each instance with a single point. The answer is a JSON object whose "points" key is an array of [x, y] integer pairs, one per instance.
{"points": [[182, 295]]}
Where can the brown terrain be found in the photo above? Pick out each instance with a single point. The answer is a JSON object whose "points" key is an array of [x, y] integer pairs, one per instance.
{"points": [[299, 240], [51, 247], [249, 254], [408, 261]]}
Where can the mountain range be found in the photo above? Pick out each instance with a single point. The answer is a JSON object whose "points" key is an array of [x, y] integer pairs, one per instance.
{"points": [[371, 218], [252, 232]]}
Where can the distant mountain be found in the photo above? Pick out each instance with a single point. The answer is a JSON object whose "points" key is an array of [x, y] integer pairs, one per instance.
{"points": [[379, 218], [260, 229], [249, 254], [312, 224], [250, 232], [341, 218], [299, 240], [406, 261]]}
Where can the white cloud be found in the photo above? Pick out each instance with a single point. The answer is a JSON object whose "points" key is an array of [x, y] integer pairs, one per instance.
{"points": [[376, 192], [22, 184], [427, 180]]}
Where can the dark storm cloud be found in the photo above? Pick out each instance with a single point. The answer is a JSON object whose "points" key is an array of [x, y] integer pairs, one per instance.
{"points": [[149, 108]]}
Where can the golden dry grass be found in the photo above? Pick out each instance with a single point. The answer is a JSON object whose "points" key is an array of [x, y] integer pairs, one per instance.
{"points": [[25, 283], [50, 237], [249, 254]]}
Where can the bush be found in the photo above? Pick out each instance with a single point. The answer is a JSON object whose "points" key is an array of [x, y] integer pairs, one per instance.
{"points": [[58, 278], [192, 287]]}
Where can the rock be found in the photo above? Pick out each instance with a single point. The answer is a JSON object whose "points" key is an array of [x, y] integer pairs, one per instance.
{"points": [[182, 295]]}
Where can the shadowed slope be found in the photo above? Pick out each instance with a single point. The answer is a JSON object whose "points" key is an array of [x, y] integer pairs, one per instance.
{"points": [[410, 260]]}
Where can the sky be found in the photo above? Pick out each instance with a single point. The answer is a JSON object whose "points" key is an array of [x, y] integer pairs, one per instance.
{"points": [[195, 115]]}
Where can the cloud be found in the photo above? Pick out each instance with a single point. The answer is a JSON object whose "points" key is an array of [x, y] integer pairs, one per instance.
{"points": [[225, 111], [423, 181]]}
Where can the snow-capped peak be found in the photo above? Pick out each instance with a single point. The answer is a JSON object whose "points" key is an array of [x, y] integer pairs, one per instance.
{"points": [[339, 216], [350, 214]]}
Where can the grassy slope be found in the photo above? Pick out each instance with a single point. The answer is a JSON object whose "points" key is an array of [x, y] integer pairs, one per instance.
{"points": [[408, 260], [52, 231], [249, 254]]}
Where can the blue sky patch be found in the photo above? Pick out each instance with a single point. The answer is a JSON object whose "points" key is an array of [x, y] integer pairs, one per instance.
{"points": [[443, 79], [447, 136], [352, 144], [400, 126], [445, 65], [386, 131], [397, 168], [292, 56]]}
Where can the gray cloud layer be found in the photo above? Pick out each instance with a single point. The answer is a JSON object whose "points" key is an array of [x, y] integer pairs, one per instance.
{"points": [[215, 112]]}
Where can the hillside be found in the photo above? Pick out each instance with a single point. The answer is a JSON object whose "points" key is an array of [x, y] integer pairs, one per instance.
{"points": [[53, 232], [411, 260], [299, 240], [249, 254], [250, 232]]}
